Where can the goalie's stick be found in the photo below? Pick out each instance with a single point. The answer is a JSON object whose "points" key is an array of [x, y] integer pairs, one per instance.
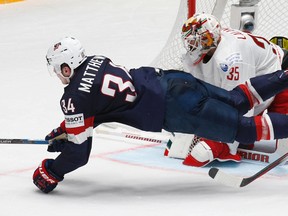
{"points": [[258, 157], [23, 141], [236, 181]]}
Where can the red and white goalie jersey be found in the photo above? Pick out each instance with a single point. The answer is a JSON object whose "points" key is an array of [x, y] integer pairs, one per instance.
{"points": [[238, 57]]}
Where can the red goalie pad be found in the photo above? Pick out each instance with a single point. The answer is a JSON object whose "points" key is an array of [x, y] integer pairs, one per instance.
{"points": [[220, 151]]}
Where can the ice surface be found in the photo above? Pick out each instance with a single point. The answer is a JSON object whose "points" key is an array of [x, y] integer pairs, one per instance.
{"points": [[121, 178]]}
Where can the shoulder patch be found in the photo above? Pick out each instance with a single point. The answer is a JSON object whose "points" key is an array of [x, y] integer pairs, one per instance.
{"points": [[224, 67]]}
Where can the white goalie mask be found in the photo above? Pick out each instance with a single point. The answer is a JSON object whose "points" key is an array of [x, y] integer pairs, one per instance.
{"points": [[200, 34], [68, 51]]}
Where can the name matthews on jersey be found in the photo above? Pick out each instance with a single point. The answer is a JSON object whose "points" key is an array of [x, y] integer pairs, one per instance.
{"points": [[90, 73]]}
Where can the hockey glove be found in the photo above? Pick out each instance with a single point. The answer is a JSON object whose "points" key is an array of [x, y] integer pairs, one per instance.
{"points": [[57, 133], [57, 145], [44, 178]]}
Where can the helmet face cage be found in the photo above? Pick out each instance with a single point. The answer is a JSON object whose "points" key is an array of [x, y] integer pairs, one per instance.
{"points": [[69, 52], [200, 34]]}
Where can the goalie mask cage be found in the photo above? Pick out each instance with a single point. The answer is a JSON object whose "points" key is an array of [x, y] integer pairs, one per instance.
{"points": [[272, 19]]}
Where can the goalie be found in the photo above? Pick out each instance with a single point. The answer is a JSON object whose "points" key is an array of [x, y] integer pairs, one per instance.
{"points": [[226, 58]]}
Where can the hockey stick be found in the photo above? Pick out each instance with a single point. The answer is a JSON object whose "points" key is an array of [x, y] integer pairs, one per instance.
{"points": [[23, 141], [129, 134], [236, 181]]}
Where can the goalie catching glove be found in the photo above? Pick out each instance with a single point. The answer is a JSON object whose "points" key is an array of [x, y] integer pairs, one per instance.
{"points": [[207, 151], [44, 178]]}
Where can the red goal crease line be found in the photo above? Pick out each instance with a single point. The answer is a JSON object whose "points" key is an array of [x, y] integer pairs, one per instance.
{"points": [[9, 1]]}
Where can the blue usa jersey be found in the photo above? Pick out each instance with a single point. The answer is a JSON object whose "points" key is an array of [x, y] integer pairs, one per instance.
{"points": [[99, 92], [176, 101]]}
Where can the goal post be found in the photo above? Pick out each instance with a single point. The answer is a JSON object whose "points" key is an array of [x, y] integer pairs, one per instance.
{"points": [[191, 8]]}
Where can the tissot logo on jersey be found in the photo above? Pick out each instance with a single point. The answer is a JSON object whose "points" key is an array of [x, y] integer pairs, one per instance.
{"points": [[73, 121], [90, 73]]}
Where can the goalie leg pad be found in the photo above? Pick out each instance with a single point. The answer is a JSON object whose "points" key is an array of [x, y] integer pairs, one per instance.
{"points": [[179, 145], [200, 155], [206, 151]]}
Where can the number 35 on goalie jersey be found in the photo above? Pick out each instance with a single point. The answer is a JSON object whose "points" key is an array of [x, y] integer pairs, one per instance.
{"points": [[248, 56]]}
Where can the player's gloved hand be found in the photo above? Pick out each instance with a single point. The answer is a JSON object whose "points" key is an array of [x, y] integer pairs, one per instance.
{"points": [[44, 178], [57, 145], [57, 133]]}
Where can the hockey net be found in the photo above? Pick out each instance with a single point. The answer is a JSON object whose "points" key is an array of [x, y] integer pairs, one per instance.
{"points": [[271, 21]]}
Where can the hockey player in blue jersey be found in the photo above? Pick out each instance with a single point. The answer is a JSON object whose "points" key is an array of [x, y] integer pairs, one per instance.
{"points": [[149, 99]]}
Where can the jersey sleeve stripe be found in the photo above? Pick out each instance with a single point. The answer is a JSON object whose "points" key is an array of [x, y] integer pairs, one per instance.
{"points": [[81, 137], [78, 135]]}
